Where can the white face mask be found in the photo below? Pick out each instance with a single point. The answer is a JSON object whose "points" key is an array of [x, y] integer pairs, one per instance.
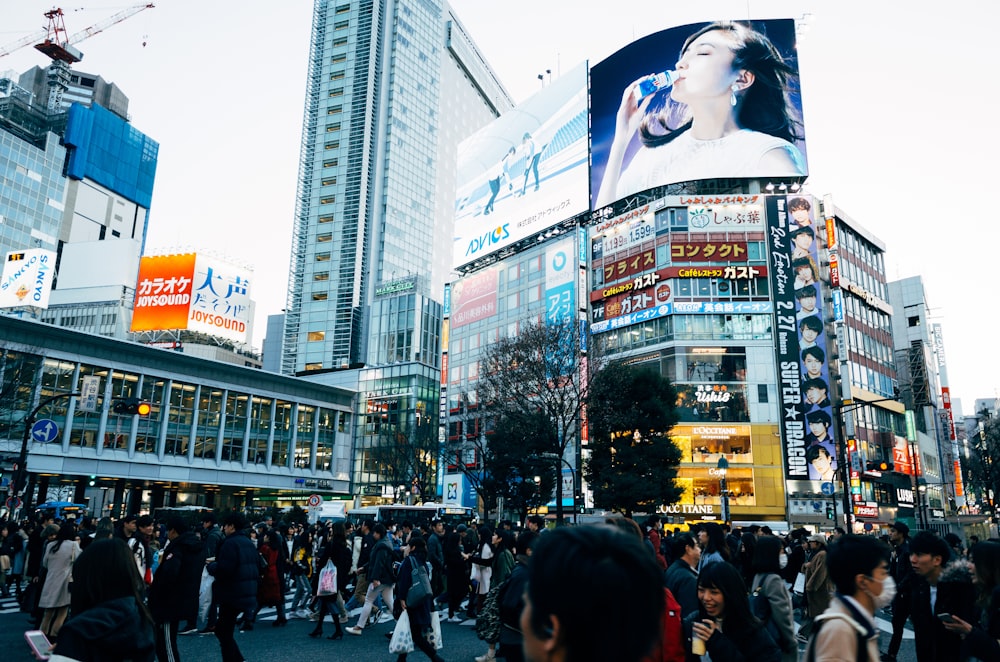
{"points": [[783, 561], [883, 599]]}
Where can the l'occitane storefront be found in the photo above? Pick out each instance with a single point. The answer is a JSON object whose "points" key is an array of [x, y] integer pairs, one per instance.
{"points": [[754, 478]]}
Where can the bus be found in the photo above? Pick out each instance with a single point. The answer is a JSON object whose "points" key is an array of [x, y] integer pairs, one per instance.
{"points": [[61, 510], [419, 514]]}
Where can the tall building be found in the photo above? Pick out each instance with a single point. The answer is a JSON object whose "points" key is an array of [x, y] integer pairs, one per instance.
{"points": [[393, 86]]}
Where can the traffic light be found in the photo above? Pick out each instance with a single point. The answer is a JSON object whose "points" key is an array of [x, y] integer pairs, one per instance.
{"points": [[93, 480], [131, 407], [829, 511]]}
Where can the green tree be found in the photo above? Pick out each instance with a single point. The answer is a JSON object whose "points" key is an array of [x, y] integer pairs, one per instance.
{"points": [[633, 461], [515, 458]]}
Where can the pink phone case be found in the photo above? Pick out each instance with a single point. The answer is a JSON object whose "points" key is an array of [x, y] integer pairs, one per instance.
{"points": [[39, 644]]}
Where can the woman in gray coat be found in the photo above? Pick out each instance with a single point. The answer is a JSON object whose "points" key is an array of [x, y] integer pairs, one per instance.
{"points": [[767, 578], [57, 559]]}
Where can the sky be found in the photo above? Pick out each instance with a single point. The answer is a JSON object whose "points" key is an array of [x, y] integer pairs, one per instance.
{"points": [[898, 102]]}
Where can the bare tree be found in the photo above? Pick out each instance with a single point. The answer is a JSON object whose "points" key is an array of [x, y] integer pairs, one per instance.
{"points": [[982, 470], [540, 371], [405, 452]]}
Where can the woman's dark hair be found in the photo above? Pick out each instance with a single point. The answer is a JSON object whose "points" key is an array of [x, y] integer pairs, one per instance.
{"points": [[853, 555], [986, 558], [766, 555], [748, 545], [765, 106], [716, 540], [105, 571], [66, 532], [506, 540], [736, 614], [417, 544]]}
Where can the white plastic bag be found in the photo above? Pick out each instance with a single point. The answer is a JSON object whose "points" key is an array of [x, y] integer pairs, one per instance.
{"points": [[327, 580], [204, 598], [402, 639]]}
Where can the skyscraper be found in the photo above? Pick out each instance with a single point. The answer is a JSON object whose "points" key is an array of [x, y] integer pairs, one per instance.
{"points": [[392, 87]]}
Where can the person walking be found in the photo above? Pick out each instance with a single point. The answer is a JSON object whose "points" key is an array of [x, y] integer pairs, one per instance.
{"points": [[270, 592], [58, 559], [818, 585], [380, 576], [337, 551], [766, 583], [236, 573], [902, 573], [302, 571], [173, 595], [418, 613]]}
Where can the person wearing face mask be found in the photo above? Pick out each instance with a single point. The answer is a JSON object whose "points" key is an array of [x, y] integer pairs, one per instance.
{"points": [[859, 569], [767, 584]]}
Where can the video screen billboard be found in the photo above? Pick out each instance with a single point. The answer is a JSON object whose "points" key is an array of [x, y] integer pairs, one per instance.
{"points": [[524, 172], [715, 120]]}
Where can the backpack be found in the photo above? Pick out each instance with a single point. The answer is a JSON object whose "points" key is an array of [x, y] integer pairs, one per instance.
{"points": [[761, 608], [860, 654]]}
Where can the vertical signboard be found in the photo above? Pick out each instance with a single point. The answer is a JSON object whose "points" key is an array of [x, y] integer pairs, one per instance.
{"points": [[807, 425], [163, 292], [27, 278]]}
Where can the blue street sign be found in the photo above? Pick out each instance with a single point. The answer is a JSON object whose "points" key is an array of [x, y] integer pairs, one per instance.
{"points": [[44, 430], [827, 488]]}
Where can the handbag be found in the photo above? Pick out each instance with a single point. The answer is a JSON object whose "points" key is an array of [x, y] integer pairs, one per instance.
{"points": [[327, 584], [401, 642], [420, 586], [4, 563], [800, 583]]}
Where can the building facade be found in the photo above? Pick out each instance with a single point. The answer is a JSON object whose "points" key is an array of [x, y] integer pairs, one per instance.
{"points": [[393, 86]]}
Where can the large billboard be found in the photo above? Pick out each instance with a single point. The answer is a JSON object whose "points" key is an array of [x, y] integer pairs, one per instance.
{"points": [[27, 278], [524, 172], [193, 292], [716, 120], [808, 429]]}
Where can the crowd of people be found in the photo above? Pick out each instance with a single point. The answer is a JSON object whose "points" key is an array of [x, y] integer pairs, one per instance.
{"points": [[122, 590]]}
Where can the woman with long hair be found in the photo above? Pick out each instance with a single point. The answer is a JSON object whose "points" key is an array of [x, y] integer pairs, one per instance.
{"points": [[419, 614], [724, 622], [714, 547], [728, 112], [482, 567], [57, 559], [766, 583], [982, 641], [270, 592], [110, 620], [337, 551], [11, 546]]}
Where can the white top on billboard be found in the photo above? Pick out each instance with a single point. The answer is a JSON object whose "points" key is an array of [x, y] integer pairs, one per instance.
{"points": [[524, 172], [27, 278], [705, 118]]}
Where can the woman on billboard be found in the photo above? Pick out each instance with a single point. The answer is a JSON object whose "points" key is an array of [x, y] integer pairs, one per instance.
{"points": [[728, 115]]}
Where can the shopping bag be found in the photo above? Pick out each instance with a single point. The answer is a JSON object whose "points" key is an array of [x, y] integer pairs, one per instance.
{"points": [[434, 636], [402, 639], [800, 583], [327, 584], [204, 598]]}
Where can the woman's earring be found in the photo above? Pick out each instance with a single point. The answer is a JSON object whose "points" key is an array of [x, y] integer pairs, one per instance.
{"points": [[732, 99]]}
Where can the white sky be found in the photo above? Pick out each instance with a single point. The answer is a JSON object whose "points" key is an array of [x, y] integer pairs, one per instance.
{"points": [[899, 98]]}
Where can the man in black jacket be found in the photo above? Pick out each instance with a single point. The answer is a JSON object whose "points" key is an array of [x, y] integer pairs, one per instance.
{"points": [[173, 595], [380, 576], [212, 535], [236, 577], [901, 571], [682, 577], [939, 588]]}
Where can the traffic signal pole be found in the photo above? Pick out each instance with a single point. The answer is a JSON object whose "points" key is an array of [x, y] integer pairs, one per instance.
{"points": [[20, 476]]}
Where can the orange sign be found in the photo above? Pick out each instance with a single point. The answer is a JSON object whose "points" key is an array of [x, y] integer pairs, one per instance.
{"points": [[163, 292]]}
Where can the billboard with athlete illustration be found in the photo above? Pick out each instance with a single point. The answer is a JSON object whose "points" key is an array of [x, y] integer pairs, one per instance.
{"points": [[701, 101], [524, 172]]}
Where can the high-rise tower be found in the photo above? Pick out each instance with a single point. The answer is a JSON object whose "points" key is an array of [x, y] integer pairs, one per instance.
{"points": [[393, 86]]}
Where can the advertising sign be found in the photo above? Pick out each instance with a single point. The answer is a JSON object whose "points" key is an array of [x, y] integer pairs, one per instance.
{"points": [[187, 291], [524, 172], [807, 426], [474, 297], [559, 285], [27, 278], [656, 146]]}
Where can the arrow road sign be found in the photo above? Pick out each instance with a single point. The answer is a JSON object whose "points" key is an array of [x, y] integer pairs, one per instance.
{"points": [[44, 430]]}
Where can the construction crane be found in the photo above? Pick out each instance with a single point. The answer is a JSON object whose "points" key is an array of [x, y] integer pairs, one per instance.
{"points": [[61, 49]]}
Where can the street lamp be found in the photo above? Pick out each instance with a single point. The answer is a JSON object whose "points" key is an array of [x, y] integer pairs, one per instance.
{"points": [[846, 427], [723, 469], [572, 473]]}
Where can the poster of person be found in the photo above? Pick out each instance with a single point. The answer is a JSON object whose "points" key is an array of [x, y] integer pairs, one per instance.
{"points": [[525, 171], [700, 101]]}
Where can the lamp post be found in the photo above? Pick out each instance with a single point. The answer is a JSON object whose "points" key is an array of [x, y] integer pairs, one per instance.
{"points": [[845, 423], [572, 473], [723, 469], [17, 486]]}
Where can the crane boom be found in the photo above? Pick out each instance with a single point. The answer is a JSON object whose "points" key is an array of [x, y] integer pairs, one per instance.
{"points": [[53, 41], [101, 26]]}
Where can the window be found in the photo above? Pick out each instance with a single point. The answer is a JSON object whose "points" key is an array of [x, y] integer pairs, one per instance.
{"points": [[326, 219], [316, 336], [332, 145], [333, 127], [332, 163], [322, 257], [340, 41], [913, 321], [337, 75], [323, 275], [325, 237], [329, 200], [341, 25], [337, 59], [328, 182], [319, 296]]}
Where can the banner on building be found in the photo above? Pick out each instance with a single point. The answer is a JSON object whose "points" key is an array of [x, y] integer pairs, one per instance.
{"points": [[27, 278]]}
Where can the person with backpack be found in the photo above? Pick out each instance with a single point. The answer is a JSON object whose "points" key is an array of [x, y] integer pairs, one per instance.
{"points": [[769, 598], [859, 570]]}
